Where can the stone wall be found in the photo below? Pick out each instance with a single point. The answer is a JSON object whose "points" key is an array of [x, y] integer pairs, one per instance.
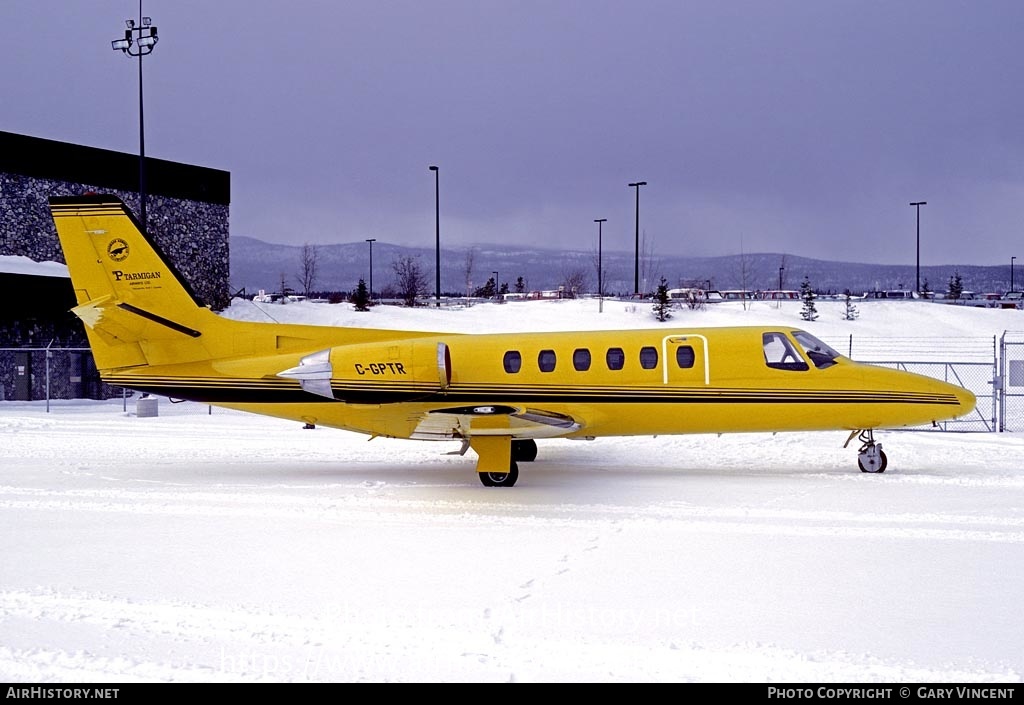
{"points": [[72, 375], [193, 234]]}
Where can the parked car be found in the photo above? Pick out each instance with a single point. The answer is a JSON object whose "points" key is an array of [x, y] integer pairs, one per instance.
{"points": [[779, 295], [737, 295], [708, 296]]}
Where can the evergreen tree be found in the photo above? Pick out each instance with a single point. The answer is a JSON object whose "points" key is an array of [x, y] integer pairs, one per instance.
{"points": [[662, 303], [520, 286], [361, 297], [809, 312], [851, 313], [486, 291], [956, 286]]}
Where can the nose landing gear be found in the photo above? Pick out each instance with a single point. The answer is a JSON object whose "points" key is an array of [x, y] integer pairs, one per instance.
{"points": [[870, 458]]}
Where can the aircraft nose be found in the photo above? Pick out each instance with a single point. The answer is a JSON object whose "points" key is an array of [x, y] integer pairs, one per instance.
{"points": [[966, 399]]}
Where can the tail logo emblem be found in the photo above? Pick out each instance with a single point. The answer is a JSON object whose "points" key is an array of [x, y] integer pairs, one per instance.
{"points": [[118, 250]]}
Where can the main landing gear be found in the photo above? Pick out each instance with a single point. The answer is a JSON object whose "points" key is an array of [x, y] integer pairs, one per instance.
{"points": [[502, 452], [870, 458], [500, 479]]}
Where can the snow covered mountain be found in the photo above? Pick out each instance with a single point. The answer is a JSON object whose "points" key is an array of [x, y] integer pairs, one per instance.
{"points": [[260, 265]]}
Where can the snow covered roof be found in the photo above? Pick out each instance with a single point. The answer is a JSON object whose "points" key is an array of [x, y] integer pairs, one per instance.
{"points": [[16, 264]]}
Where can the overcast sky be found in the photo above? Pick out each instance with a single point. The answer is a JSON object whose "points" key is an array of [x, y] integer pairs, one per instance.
{"points": [[768, 126]]}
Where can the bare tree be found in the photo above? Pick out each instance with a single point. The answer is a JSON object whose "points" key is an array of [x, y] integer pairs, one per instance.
{"points": [[575, 282], [409, 279], [650, 266], [309, 258], [745, 273]]}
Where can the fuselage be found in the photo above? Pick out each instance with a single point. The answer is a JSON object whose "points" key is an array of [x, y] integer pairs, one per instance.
{"points": [[624, 382]]}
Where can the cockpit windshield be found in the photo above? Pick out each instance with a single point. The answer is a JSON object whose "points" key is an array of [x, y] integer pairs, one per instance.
{"points": [[817, 352]]}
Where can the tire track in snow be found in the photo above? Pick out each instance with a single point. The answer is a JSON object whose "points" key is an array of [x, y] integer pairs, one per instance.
{"points": [[168, 619], [225, 643], [378, 510]]}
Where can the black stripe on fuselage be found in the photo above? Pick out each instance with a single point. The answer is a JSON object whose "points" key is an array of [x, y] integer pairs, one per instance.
{"points": [[287, 392]]}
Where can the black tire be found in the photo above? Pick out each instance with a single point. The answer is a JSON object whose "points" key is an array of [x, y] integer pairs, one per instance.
{"points": [[524, 451], [500, 479], [881, 466]]}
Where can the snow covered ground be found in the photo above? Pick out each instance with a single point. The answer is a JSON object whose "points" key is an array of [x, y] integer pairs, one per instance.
{"points": [[224, 546]]}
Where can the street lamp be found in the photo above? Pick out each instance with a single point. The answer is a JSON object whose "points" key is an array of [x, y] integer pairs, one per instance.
{"points": [[145, 39], [1012, 260], [495, 284], [918, 206], [437, 235], [600, 283], [371, 240], [636, 259]]}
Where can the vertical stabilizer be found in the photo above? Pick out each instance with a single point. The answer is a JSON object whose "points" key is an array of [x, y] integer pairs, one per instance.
{"points": [[136, 307]]}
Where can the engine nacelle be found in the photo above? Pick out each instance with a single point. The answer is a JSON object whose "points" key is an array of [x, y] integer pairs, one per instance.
{"points": [[376, 373]]}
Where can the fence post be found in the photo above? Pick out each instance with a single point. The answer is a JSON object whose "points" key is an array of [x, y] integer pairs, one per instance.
{"points": [[48, 356], [851, 347], [998, 383]]}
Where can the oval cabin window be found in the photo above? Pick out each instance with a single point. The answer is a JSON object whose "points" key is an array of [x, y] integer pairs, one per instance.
{"points": [[648, 358], [546, 360], [615, 358], [685, 357], [512, 361], [581, 360]]}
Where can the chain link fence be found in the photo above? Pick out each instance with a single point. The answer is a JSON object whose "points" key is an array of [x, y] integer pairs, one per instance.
{"points": [[33, 373], [969, 362], [61, 373], [1011, 381]]}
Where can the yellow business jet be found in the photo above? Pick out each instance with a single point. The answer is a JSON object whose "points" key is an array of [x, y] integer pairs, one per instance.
{"points": [[497, 393]]}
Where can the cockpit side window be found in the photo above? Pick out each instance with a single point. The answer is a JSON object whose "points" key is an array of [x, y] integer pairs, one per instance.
{"points": [[779, 353], [817, 352]]}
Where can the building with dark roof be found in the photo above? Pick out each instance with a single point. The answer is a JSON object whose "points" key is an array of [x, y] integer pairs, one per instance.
{"points": [[187, 211], [187, 206]]}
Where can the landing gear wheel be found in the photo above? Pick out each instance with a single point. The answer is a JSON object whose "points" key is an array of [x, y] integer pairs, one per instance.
{"points": [[524, 451], [500, 479], [870, 458], [868, 463]]}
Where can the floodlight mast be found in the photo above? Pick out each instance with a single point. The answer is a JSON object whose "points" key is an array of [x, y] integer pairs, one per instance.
{"points": [[139, 40]]}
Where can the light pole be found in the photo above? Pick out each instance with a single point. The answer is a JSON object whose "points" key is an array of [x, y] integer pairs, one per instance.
{"points": [[145, 39], [918, 205], [1012, 260], [600, 283], [495, 284], [636, 259], [437, 235], [371, 240]]}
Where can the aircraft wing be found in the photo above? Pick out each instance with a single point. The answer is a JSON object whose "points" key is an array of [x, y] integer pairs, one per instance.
{"points": [[494, 420]]}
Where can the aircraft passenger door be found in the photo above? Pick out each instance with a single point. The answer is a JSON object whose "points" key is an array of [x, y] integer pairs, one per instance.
{"points": [[685, 360]]}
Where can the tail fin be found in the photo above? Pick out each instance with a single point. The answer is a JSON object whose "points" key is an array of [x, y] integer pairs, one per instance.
{"points": [[136, 307]]}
